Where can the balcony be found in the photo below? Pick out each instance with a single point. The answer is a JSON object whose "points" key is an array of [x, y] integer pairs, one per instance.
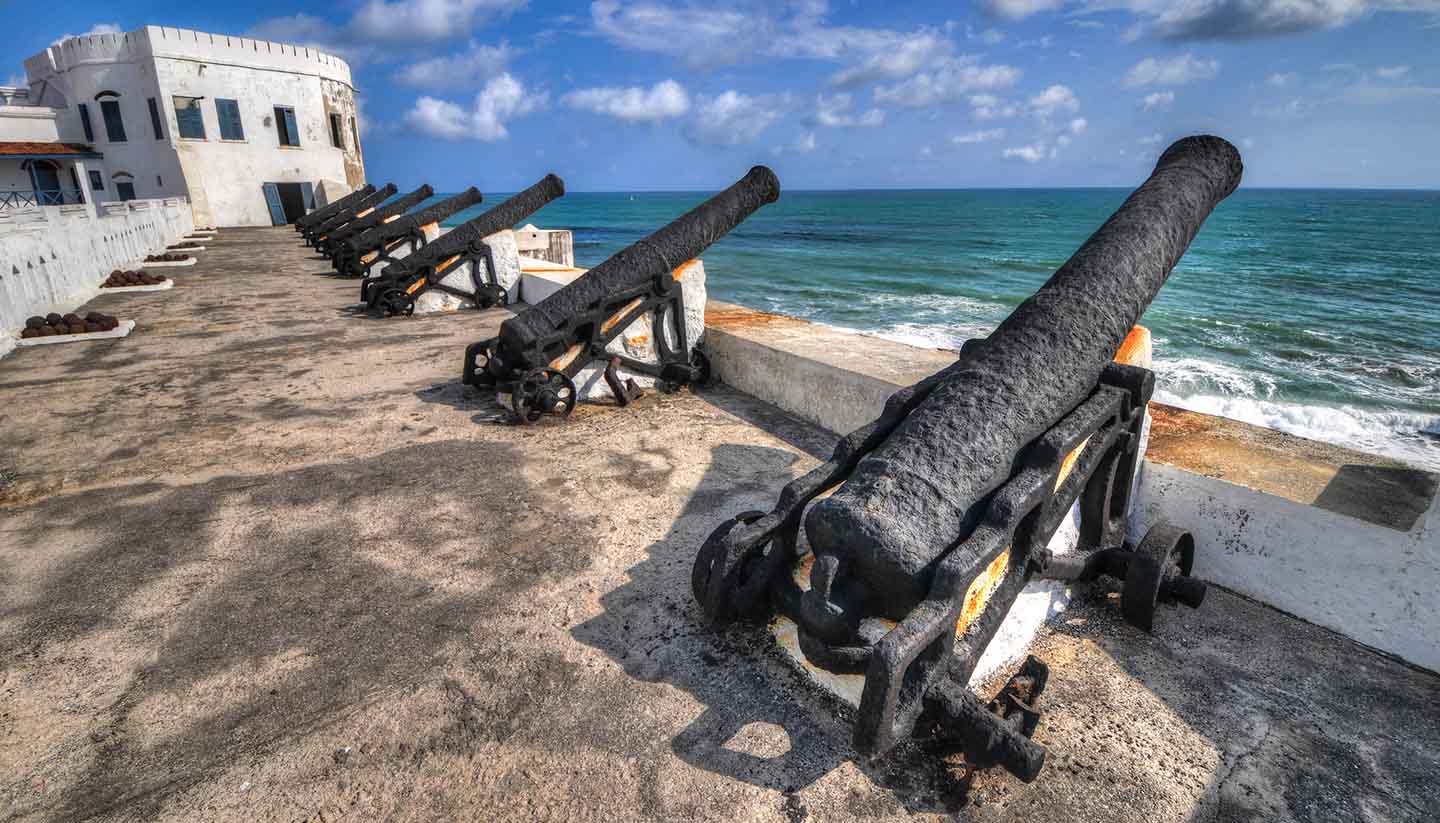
{"points": [[30, 198]]}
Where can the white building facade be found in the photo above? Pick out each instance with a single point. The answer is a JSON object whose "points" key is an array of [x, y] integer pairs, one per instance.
{"points": [[252, 132]]}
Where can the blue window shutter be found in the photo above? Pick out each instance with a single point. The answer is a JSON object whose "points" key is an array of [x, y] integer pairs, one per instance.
{"points": [[114, 124], [228, 113], [85, 121], [307, 194], [272, 199], [188, 118], [291, 128]]}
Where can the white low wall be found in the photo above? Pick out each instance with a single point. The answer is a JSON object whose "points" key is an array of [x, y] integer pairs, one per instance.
{"points": [[1341, 539], [53, 259]]}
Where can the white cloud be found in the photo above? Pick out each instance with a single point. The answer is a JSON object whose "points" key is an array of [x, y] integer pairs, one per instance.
{"points": [[466, 69], [1053, 100], [413, 21], [1174, 71], [951, 80], [910, 55], [804, 144], [1281, 79], [1033, 153], [732, 118], [833, 111], [98, 28], [992, 37], [984, 136], [1392, 72], [1159, 100], [502, 99], [1151, 140], [635, 104], [990, 107], [1078, 125], [1365, 94], [1016, 9]]}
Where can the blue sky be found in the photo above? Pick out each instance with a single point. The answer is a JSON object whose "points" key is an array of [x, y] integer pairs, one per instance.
{"points": [[671, 94]]}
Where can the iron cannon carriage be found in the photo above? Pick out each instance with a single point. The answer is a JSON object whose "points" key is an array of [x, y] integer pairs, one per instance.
{"points": [[395, 289], [317, 232], [540, 351], [388, 242], [382, 214], [924, 526]]}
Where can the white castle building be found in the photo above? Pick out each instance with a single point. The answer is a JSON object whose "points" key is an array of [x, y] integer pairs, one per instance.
{"points": [[247, 130]]}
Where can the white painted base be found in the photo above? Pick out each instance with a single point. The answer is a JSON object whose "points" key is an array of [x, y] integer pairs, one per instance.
{"points": [[186, 249], [168, 284], [166, 265], [122, 330], [507, 269]]}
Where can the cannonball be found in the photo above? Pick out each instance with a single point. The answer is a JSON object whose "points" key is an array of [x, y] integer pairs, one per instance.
{"points": [[71, 317], [78, 327], [34, 322], [30, 331], [54, 319], [94, 317], [46, 331]]}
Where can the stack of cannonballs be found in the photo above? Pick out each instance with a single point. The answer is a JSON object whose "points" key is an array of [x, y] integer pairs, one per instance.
{"points": [[185, 244], [53, 324], [166, 258], [120, 279]]}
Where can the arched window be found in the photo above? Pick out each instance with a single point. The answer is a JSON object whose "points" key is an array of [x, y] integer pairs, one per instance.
{"points": [[106, 93], [110, 113]]}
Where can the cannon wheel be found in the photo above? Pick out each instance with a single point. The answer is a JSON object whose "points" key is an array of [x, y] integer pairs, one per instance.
{"points": [[478, 357], [396, 301], [705, 558], [541, 392], [1166, 553]]}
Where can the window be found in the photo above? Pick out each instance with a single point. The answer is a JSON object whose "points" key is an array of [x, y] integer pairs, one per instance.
{"points": [[337, 131], [354, 135], [114, 126], [124, 185], [228, 112], [85, 121], [285, 125], [97, 181], [155, 120], [188, 117]]}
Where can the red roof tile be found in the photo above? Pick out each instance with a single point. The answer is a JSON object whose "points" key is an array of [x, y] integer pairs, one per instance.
{"points": [[28, 147]]}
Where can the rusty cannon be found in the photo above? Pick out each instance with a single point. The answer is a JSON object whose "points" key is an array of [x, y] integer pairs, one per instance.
{"points": [[391, 210], [329, 210], [539, 352], [388, 242], [396, 288], [941, 510], [317, 233]]}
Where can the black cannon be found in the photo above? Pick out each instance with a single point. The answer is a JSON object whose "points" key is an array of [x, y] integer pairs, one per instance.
{"points": [[318, 232], [388, 242], [328, 210], [540, 350], [397, 286], [943, 507], [381, 214]]}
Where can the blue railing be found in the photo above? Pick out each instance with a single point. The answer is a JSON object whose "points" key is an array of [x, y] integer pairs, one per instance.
{"points": [[29, 198]]}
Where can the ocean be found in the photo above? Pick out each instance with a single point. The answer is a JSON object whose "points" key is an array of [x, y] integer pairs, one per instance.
{"points": [[1315, 312]]}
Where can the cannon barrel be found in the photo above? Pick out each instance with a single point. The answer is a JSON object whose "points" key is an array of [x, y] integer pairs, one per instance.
{"points": [[370, 201], [925, 487], [394, 208], [329, 210], [503, 216], [655, 256], [379, 235]]}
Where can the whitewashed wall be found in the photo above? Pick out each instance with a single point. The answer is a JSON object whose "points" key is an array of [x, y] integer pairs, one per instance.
{"points": [[55, 258]]}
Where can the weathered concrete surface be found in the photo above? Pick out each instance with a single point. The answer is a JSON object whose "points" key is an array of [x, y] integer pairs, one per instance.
{"points": [[265, 560]]}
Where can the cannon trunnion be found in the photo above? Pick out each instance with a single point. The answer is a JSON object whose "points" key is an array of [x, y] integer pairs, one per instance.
{"points": [[540, 351], [941, 510]]}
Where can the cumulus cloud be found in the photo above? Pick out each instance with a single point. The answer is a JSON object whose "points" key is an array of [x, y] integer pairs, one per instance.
{"points": [[457, 71], [833, 111], [635, 104], [990, 107], [502, 99], [1174, 71], [804, 144], [98, 28], [1078, 125], [1054, 100], [1392, 72], [1222, 19], [909, 56], [411, 21], [953, 79], [1158, 100], [732, 118], [1032, 153], [973, 137]]}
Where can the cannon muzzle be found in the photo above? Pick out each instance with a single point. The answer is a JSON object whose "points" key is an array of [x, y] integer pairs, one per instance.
{"points": [[329, 210], [370, 201], [379, 216]]}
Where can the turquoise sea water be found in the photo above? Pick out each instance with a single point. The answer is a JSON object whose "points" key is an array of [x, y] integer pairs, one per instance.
{"points": [[1315, 312]]}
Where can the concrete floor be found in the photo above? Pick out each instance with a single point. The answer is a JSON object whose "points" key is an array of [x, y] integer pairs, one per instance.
{"points": [[265, 560]]}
